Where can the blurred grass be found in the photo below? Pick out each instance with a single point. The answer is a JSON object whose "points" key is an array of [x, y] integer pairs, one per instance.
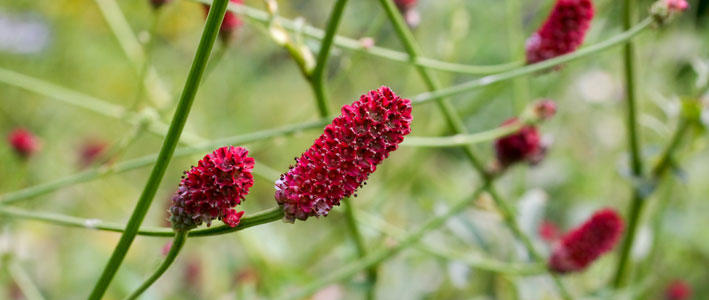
{"points": [[256, 87]]}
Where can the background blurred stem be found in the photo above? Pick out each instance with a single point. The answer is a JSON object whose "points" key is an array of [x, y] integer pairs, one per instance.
{"points": [[209, 35], [455, 122], [175, 247], [638, 198], [23, 280], [263, 217], [317, 77]]}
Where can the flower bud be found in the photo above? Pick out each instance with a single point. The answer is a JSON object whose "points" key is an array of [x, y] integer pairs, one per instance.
{"points": [[230, 23], [678, 290], [581, 246], [342, 158], [23, 142], [663, 11], [523, 145]]}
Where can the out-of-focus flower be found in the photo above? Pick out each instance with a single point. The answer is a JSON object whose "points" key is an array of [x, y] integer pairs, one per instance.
{"points": [[166, 248], [523, 145], [342, 158], [90, 151], [211, 189], [193, 274], [544, 109], [548, 231], [678, 290], [230, 23], [159, 3], [581, 246], [562, 32], [23, 142], [409, 11], [23, 33], [663, 11]]}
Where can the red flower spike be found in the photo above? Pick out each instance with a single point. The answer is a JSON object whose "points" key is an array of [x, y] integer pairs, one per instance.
{"points": [[678, 290], [548, 231], [23, 142], [210, 190], [90, 152], [158, 3], [580, 247], [230, 23], [342, 158], [523, 145], [562, 32]]}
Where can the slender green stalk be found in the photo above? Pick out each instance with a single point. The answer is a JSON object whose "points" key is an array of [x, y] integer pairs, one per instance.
{"points": [[209, 35], [177, 244], [636, 166], [461, 139], [455, 122], [361, 246], [263, 17], [263, 217], [616, 40], [317, 77], [667, 154], [381, 255], [24, 282]]}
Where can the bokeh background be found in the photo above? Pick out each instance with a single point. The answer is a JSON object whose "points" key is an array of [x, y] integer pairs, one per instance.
{"points": [[257, 86]]}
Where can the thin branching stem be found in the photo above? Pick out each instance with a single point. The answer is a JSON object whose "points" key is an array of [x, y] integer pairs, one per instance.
{"points": [[636, 165], [177, 243], [317, 77], [456, 123], [263, 217], [209, 35]]}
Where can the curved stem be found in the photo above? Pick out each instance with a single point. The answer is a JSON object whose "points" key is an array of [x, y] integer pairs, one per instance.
{"points": [[260, 218], [638, 198], [376, 257], [361, 246], [621, 38], [317, 76], [177, 243], [209, 35], [461, 139]]}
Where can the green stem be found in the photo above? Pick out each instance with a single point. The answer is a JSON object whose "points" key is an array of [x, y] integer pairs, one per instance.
{"points": [[317, 77], [260, 218], [665, 160], [455, 122], [24, 282], [381, 255], [638, 198], [209, 35], [360, 246], [263, 17], [177, 243], [619, 39], [461, 139]]}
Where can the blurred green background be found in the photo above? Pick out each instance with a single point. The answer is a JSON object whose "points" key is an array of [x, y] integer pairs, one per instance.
{"points": [[257, 86]]}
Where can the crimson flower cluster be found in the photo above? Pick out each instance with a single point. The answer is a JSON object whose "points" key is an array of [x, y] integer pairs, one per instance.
{"points": [[523, 145], [230, 23], [678, 290], [581, 246], [23, 142], [342, 157], [211, 189], [562, 32]]}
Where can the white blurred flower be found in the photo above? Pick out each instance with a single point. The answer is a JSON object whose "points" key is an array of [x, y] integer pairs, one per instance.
{"points": [[23, 34]]}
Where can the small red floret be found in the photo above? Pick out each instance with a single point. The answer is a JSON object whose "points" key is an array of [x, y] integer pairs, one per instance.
{"points": [[578, 248], [230, 23], [523, 145], [210, 190], [342, 158], [678, 290]]}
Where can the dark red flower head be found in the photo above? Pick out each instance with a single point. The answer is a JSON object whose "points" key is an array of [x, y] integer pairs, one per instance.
{"points": [[342, 158], [523, 145], [23, 142], [678, 290], [230, 23], [210, 190], [90, 151], [562, 32], [158, 3], [584, 244]]}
